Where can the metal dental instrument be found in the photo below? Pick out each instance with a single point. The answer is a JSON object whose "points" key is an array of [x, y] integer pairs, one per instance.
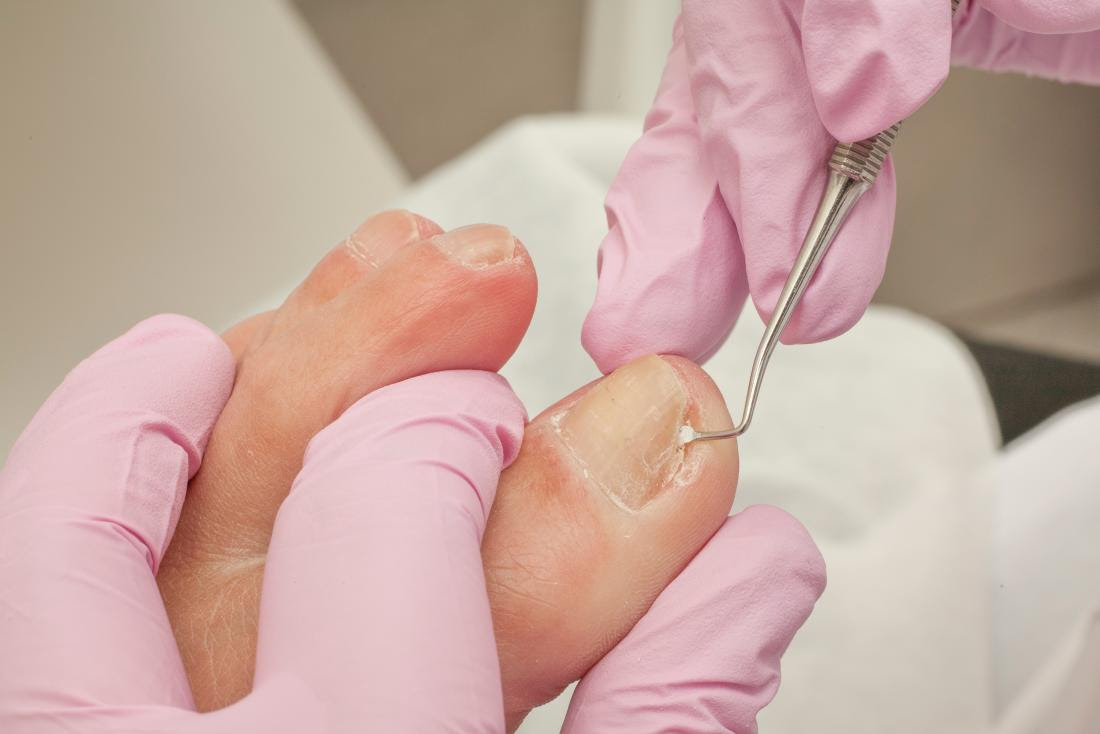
{"points": [[853, 167]]}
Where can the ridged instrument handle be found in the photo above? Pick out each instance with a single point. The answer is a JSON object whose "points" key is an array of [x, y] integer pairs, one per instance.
{"points": [[863, 160], [853, 167]]}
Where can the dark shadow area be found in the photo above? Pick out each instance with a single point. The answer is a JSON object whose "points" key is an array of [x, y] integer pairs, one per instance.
{"points": [[1028, 387]]}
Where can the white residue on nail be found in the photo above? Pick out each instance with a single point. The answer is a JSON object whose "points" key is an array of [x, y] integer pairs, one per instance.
{"points": [[687, 435]]}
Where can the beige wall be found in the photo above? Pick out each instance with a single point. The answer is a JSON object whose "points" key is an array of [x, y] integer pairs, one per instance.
{"points": [[999, 197], [162, 156], [438, 75]]}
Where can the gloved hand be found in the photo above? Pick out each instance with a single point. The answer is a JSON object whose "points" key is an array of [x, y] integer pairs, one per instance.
{"points": [[712, 203], [374, 611]]}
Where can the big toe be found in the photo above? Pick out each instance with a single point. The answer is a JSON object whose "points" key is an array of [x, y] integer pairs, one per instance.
{"points": [[601, 511]]}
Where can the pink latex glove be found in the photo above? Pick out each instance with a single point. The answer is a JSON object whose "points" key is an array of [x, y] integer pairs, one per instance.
{"points": [[374, 610], [705, 657], [374, 613], [711, 204]]}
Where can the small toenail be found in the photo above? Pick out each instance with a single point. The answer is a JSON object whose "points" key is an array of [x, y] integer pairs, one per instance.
{"points": [[478, 245], [425, 227], [376, 239], [623, 433]]}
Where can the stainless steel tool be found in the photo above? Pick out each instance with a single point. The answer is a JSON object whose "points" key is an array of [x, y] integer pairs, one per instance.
{"points": [[853, 167]]}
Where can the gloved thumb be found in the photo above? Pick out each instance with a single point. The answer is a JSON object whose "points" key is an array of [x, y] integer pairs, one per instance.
{"points": [[872, 63]]}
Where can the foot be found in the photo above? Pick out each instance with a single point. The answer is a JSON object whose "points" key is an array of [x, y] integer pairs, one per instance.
{"points": [[398, 298], [601, 510]]}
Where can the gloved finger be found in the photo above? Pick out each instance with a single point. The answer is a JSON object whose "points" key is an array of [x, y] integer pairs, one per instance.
{"points": [[872, 63], [671, 272], [762, 128], [985, 41], [1045, 16], [706, 655], [89, 498], [374, 594]]}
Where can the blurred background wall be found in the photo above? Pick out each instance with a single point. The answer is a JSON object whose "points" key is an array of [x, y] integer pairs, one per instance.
{"points": [[194, 156], [436, 76]]}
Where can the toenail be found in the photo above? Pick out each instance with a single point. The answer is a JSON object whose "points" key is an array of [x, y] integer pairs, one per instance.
{"points": [[380, 236], [478, 245], [623, 432], [425, 227]]}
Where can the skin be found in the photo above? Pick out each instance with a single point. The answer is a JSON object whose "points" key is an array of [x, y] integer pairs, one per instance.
{"points": [[601, 510], [599, 513]]}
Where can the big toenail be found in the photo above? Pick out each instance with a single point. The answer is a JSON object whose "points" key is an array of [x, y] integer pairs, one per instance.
{"points": [[623, 432], [478, 245]]}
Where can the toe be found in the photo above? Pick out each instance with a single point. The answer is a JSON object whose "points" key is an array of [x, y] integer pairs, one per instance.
{"points": [[364, 250], [240, 335], [459, 300], [600, 512]]}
